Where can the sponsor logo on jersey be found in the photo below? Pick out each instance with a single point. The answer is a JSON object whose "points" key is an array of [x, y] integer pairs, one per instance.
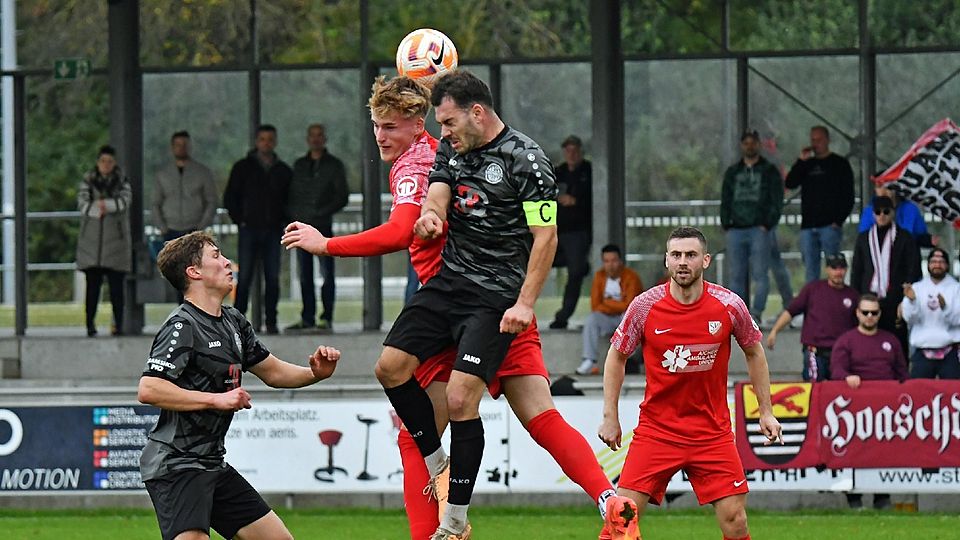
{"points": [[471, 358], [214, 344], [659, 331], [493, 174], [738, 483], [713, 327], [531, 157], [406, 186], [690, 358], [158, 364]]}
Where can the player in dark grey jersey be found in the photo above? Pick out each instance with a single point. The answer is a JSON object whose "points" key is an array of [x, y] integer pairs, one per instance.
{"points": [[496, 188], [194, 375]]}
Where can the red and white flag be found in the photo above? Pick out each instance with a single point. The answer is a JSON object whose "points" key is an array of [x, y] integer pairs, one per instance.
{"points": [[929, 173]]}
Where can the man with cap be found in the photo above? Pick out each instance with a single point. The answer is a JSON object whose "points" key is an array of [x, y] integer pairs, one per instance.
{"points": [[884, 259], [750, 204], [574, 224], [929, 308], [828, 307]]}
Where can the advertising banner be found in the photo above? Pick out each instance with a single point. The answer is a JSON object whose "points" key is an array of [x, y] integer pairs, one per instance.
{"points": [[879, 424]]}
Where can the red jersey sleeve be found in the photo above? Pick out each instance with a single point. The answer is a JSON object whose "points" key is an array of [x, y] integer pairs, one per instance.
{"points": [[394, 235], [629, 335]]}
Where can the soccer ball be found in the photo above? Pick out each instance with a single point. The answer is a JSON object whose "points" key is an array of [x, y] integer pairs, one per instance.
{"points": [[425, 54]]}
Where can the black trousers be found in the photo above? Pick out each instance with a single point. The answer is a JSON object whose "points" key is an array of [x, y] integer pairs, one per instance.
{"points": [[94, 283]]}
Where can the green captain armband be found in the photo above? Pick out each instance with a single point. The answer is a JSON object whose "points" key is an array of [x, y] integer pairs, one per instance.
{"points": [[540, 213]]}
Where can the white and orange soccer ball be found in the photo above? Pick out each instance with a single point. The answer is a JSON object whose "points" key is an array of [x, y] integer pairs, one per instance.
{"points": [[425, 54]]}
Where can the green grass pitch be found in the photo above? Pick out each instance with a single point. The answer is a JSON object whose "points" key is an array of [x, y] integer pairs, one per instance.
{"points": [[502, 524]]}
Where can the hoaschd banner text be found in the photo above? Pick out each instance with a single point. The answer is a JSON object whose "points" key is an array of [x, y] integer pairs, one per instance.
{"points": [[829, 424]]}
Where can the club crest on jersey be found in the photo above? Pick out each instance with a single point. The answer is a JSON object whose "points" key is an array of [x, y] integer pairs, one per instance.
{"points": [[236, 341], [847, 303], [493, 174], [714, 327]]}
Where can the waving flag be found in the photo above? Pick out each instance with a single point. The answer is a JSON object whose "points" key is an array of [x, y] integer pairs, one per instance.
{"points": [[929, 173]]}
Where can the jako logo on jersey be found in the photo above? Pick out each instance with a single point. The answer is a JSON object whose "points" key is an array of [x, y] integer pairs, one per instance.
{"points": [[470, 358], [493, 174], [675, 358], [714, 327], [214, 344], [406, 187]]}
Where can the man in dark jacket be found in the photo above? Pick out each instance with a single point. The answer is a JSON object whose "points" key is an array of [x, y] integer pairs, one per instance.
{"points": [[826, 183], [318, 190], [750, 205], [255, 198], [884, 260]]}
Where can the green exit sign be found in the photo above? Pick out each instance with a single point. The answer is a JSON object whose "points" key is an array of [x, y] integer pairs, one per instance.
{"points": [[66, 69]]}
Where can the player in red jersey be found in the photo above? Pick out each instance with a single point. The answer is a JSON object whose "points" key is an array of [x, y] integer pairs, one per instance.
{"points": [[684, 328], [398, 108]]}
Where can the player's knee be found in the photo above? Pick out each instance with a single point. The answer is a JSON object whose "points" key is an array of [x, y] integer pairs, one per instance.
{"points": [[461, 403], [393, 368], [734, 524]]}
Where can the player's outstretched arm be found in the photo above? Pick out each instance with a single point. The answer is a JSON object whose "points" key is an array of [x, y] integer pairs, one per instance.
{"points": [[306, 237], [280, 374], [760, 378], [167, 395], [614, 370], [519, 317]]}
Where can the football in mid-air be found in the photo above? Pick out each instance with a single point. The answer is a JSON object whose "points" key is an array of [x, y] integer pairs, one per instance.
{"points": [[425, 54]]}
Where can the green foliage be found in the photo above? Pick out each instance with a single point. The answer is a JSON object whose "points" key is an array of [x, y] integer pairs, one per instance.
{"points": [[670, 26]]}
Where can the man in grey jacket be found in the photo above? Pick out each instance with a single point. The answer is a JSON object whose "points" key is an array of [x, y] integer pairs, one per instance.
{"points": [[185, 194], [317, 191]]}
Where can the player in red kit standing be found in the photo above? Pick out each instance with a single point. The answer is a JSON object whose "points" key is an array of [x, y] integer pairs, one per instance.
{"points": [[684, 328], [397, 109]]}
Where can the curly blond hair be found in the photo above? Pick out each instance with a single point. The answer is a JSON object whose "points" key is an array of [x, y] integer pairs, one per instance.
{"points": [[404, 95]]}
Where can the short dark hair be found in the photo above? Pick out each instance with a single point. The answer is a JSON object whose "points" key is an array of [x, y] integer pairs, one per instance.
{"points": [[688, 232], [612, 248], [867, 297], [826, 132], [107, 149], [179, 253], [182, 134], [266, 127], [463, 87]]}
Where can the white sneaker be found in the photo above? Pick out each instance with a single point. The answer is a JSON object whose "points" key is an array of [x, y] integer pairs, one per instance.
{"points": [[797, 321], [588, 367]]}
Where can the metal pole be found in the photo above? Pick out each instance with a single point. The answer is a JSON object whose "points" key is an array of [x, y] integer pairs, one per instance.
{"points": [[8, 49], [20, 200], [868, 104], [372, 266], [253, 85]]}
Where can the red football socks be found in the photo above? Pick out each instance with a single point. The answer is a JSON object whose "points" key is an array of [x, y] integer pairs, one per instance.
{"points": [[571, 451], [421, 513]]}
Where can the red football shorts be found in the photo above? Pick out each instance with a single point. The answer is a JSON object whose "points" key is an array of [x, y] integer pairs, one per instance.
{"points": [[714, 468], [525, 357]]}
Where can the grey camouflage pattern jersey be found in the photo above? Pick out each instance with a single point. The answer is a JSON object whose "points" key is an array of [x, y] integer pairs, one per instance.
{"points": [[197, 351], [489, 240]]}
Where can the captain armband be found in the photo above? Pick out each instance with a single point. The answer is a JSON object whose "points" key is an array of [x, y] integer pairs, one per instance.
{"points": [[540, 213]]}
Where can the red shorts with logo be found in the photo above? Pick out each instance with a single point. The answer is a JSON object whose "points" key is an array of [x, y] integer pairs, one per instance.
{"points": [[714, 468], [525, 357]]}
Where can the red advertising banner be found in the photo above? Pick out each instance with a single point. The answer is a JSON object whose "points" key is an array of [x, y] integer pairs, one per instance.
{"points": [[880, 424]]}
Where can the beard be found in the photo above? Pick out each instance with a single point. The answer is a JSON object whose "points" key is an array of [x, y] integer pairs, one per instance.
{"points": [[869, 327], [685, 277]]}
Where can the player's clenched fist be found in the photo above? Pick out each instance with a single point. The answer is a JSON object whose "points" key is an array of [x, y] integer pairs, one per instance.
{"points": [[429, 226], [324, 361], [610, 433], [516, 319], [234, 400]]}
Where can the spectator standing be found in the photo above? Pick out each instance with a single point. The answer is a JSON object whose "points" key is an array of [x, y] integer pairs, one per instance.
{"points": [[828, 307], [185, 193], [103, 245], [884, 259], [318, 190], [908, 217], [614, 287], [255, 198], [825, 180], [751, 200], [868, 353], [929, 308], [574, 224]]}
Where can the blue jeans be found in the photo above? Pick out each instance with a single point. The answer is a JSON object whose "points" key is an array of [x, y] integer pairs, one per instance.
{"points": [[814, 241], [413, 281], [328, 291], [750, 248], [259, 245], [780, 274]]}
